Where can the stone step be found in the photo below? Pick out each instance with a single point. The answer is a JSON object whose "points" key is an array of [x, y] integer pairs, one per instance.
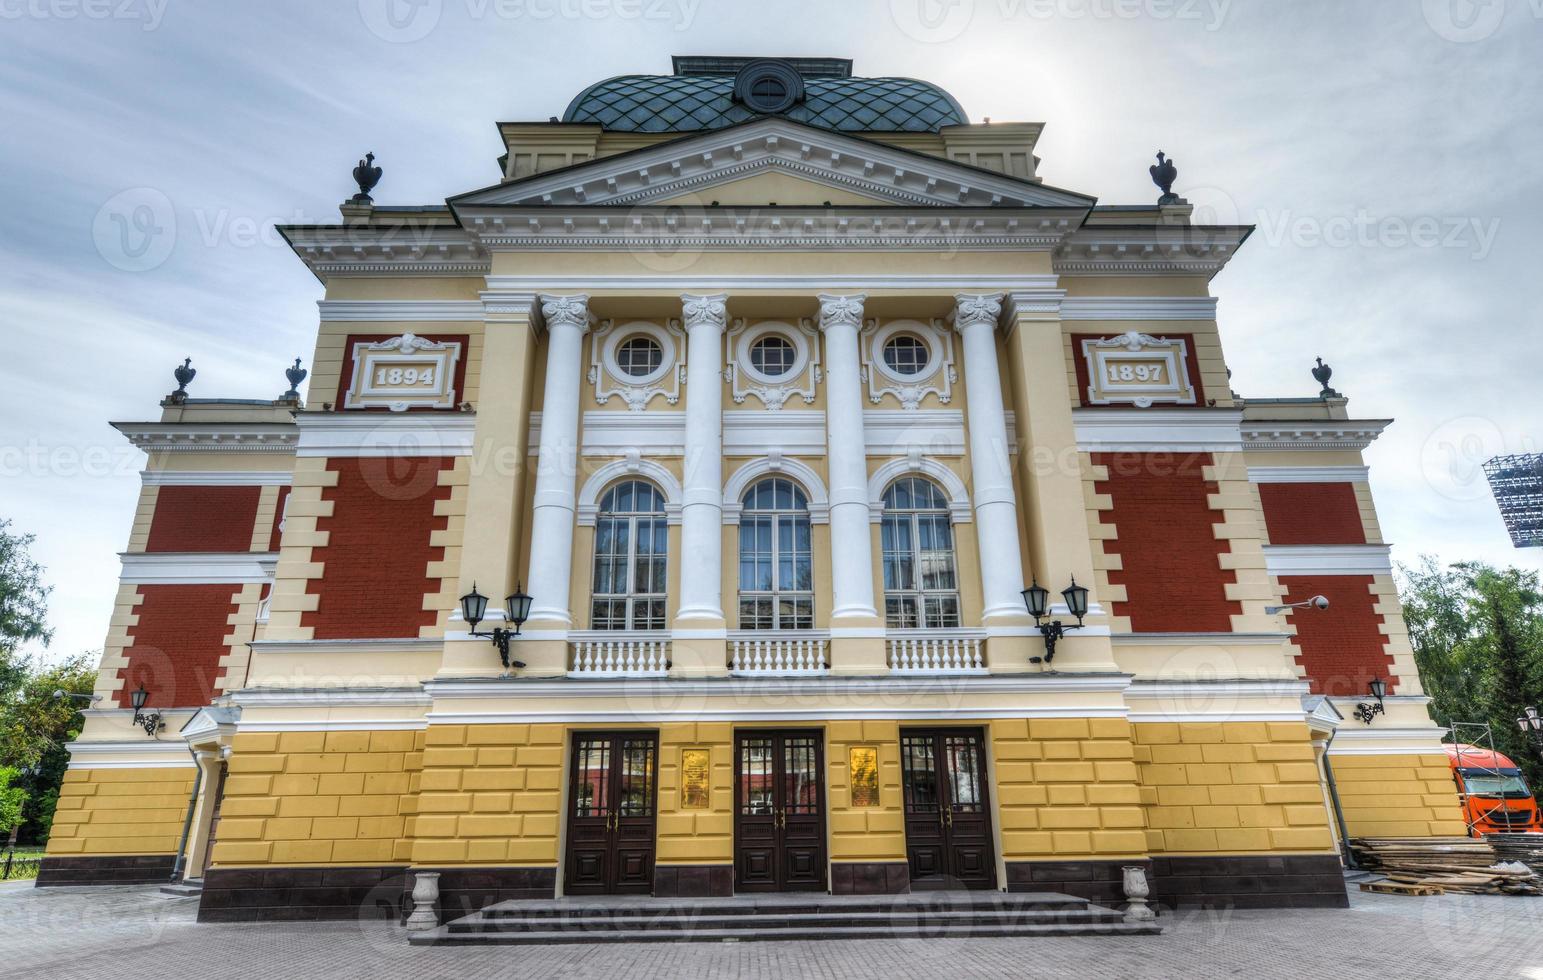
{"points": [[572, 908], [188, 888], [894, 923], [789, 934]]}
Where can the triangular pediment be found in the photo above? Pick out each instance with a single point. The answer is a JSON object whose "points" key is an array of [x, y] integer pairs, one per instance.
{"points": [[773, 185], [706, 166]]}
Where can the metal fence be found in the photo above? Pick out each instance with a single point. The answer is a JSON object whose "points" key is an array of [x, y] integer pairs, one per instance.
{"points": [[17, 866]]}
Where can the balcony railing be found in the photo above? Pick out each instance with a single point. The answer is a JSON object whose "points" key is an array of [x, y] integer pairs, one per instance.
{"points": [[955, 651], [601, 654], [785, 654]]}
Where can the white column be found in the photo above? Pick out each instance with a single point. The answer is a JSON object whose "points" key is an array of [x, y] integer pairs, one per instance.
{"points": [[996, 508], [701, 532], [850, 529], [551, 534]]}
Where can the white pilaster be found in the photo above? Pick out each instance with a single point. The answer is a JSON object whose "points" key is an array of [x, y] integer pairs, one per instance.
{"points": [[850, 530], [701, 559], [551, 535], [996, 510]]}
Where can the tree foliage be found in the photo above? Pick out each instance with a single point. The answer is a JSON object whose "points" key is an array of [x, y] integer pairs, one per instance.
{"points": [[11, 800], [1478, 642], [23, 596]]}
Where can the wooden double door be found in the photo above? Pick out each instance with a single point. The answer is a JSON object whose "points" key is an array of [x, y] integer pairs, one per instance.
{"points": [[612, 813], [779, 811], [948, 834]]}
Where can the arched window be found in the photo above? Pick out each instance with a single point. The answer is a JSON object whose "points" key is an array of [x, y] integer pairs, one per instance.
{"points": [[776, 572], [921, 585], [631, 547]]}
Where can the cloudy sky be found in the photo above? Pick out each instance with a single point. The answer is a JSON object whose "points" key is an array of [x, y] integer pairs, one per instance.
{"points": [[1387, 149]]}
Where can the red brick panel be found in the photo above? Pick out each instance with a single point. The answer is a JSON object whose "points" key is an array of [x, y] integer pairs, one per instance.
{"points": [[204, 519], [375, 562], [278, 519], [1165, 537], [1312, 513], [175, 648], [1340, 647]]}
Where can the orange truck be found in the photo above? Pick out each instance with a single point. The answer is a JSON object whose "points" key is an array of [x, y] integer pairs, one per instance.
{"points": [[1495, 797]]}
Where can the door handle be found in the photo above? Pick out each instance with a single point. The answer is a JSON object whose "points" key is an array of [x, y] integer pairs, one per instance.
{"points": [[782, 819], [948, 817]]}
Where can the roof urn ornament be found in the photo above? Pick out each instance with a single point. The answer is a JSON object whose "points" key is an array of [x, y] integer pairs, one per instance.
{"points": [[1321, 374], [184, 375], [366, 175], [1164, 173], [295, 375]]}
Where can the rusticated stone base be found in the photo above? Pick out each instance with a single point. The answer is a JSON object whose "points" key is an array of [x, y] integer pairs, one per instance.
{"points": [[1097, 881], [302, 894], [131, 869], [463, 891], [1243, 881], [693, 881], [317, 894], [1285, 881], [870, 878]]}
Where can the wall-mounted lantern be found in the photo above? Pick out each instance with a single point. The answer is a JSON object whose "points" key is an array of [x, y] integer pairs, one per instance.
{"points": [[1366, 711], [474, 608], [1037, 599]]}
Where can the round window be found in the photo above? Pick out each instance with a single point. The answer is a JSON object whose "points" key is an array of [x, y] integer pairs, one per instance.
{"points": [[907, 355], [638, 357], [769, 85], [773, 356]]}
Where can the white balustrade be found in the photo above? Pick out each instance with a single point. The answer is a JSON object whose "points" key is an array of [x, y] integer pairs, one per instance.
{"points": [[777, 654], [625, 655], [936, 651]]}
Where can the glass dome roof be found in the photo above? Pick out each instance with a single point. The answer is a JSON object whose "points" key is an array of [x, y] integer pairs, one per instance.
{"points": [[684, 103]]}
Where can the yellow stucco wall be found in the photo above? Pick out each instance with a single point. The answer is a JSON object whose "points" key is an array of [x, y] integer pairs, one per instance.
{"points": [[865, 833], [1066, 788], [489, 794], [696, 836], [1230, 788], [121, 811], [296, 798], [1397, 796]]}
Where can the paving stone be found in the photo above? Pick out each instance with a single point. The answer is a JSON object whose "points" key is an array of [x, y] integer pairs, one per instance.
{"points": [[107, 933]]}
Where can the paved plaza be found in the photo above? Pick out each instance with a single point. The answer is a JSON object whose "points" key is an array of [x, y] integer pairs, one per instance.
{"points": [[134, 932]]}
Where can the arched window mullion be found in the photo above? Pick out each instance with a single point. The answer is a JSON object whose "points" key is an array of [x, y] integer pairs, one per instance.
{"points": [[631, 559], [921, 581], [776, 562]]}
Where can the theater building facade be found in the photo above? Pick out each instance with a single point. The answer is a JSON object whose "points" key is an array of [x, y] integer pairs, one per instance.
{"points": [[773, 389]]}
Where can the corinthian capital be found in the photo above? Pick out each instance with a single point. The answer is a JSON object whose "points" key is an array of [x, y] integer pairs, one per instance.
{"points": [[841, 311], [699, 311], [971, 309], [566, 311]]}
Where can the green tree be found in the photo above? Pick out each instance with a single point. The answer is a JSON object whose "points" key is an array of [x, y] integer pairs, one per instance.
{"points": [[11, 800], [1477, 633], [34, 727], [23, 597]]}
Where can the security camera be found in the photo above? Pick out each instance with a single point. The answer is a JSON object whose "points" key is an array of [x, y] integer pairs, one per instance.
{"points": [[1316, 602]]}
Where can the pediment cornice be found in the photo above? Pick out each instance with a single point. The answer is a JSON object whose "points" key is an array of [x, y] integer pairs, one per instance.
{"points": [[688, 165]]}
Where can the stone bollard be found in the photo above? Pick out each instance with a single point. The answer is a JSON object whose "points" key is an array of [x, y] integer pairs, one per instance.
{"points": [[1137, 889], [425, 897]]}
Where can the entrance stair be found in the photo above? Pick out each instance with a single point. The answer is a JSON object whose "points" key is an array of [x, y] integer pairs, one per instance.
{"points": [[750, 918]]}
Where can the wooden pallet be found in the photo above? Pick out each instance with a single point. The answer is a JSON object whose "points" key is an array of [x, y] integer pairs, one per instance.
{"points": [[1400, 888]]}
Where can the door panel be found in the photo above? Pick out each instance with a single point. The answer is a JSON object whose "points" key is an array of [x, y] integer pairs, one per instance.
{"points": [[779, 816], [611, 813], [947, 809]]}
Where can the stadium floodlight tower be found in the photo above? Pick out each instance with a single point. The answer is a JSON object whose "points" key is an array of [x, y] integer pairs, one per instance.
{"points": [[1517, 483]]}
